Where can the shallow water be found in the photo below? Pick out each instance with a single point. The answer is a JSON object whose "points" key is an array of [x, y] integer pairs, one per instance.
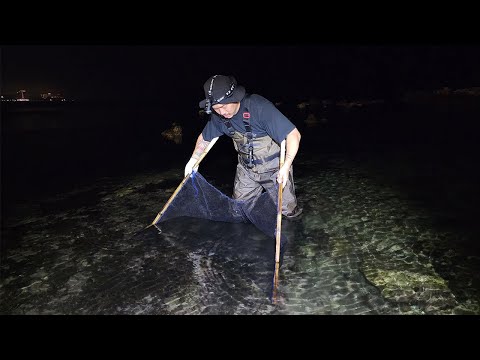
{"points": [[367, 243], [358, 249]]}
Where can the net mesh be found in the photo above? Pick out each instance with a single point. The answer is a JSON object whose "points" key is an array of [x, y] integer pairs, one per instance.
{"points": [[199, 199]]}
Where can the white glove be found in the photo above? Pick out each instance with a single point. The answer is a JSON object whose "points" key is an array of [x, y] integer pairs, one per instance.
{"points": [[189, 166]]}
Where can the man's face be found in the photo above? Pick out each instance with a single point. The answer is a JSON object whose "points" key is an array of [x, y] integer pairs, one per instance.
{"points": [[226, 110]]}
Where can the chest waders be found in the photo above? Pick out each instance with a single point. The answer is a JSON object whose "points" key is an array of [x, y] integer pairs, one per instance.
{"points": [[258, 165]]}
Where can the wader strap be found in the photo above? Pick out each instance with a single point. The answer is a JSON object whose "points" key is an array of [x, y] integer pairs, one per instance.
{"points": [[230, 127], [248, 133], [261, 161]]}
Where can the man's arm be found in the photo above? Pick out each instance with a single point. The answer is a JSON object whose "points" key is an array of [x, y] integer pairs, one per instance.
{"points": [[292, 145], [200, 147]]}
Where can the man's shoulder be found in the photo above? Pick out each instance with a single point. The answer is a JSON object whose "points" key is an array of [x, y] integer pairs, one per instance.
{"points": [[256, 100]]}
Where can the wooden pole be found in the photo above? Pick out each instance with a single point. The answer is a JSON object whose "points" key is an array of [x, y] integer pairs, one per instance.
{"points": [[279, 226], [179, 187]]}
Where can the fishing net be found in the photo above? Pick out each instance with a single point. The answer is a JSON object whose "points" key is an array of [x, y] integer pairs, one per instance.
{"points": [[197, 198]]}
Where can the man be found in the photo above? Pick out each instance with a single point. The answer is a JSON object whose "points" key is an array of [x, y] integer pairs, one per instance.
{"points": [[257, 128]]}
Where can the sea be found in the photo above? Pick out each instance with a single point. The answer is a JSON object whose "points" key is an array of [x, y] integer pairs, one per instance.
{"points": [[389, 191]]}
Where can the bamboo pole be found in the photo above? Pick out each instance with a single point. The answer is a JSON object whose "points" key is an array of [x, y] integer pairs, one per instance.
{"points": [[179, 187], [279, 226]]}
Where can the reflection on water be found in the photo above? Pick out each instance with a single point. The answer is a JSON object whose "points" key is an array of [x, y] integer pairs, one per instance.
{"points": [[369, 242]]}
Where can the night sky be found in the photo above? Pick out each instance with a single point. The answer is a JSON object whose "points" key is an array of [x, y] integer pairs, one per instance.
{"points": [[173, 75]]}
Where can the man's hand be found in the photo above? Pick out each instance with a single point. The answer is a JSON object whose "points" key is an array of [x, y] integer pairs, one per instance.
{"points": [[282, 175], [189, 167]]}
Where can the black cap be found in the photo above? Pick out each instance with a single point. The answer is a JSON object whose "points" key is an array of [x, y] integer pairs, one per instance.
{"points": [[221, 89]]}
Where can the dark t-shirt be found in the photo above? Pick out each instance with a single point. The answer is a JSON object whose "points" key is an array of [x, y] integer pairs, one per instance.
{"points": [[265, 119]]}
